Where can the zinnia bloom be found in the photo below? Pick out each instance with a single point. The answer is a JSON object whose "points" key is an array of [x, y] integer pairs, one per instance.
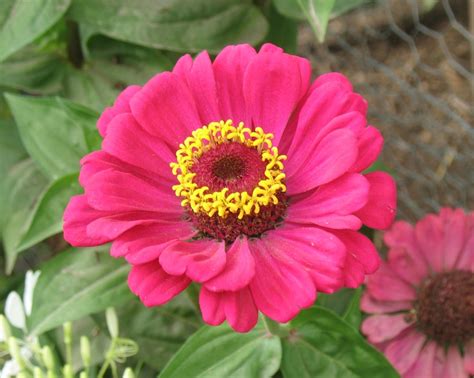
{"points": [[423, 297], [240, 175]]}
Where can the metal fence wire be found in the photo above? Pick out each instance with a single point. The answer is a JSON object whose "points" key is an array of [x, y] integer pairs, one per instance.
{"points": [[414, 63]]}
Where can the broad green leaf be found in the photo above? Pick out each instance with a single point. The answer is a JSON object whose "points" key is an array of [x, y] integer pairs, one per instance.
{"points": [[176, 25], [56, 132], [47, 216], [317, 12], [337, 302], [22, 21], [352, 315], [76, 283], [23, 186], [283, 31], [160, 331], [221, 352], [323, 345], [33, 72]]}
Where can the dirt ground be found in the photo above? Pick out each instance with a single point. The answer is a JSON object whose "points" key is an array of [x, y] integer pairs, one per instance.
{"points": [[414, 68]]}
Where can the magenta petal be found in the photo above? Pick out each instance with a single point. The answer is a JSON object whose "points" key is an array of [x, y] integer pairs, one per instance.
{"points": [[405, 351], [405, 265], [374, 306], [120, 192], [387, 286], [380, 210], [200, 260], [281, 286], [380, 328], [145, 243], [455, 235], [127, 141], [331, 202], [229, 69], [238, 271], [121, 105], [430, 237], [77, 216], [370, 144], [199, 77], [165, 108], [212, 307], [240, 310], [328, 162], [274, 80], [362, 257], [153, 285], [454, 365]]}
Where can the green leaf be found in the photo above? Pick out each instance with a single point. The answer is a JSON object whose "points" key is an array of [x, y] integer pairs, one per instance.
{"points": [[23, 186], [323, 345], [176, 25], [283, 31], [221, 352], [33, 72], [344, 6], [56, 133], [47, 216], [352, 314], [22, 21], [317, 12], [76, 283], [160, 331]]}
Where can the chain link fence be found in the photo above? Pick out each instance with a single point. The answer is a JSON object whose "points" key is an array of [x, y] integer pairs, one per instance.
{"points": [[413, 61]]}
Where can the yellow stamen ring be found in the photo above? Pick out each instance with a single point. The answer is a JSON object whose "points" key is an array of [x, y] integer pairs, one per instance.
{"points": [[200, 199]]}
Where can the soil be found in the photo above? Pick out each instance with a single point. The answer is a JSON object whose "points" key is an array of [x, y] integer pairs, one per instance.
{"points": [[414, 68]]}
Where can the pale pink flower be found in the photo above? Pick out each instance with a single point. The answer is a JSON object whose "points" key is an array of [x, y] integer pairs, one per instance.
{"points": [[422, 298]]}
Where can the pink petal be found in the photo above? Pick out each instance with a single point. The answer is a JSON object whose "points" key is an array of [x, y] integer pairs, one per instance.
{"points": [[405, 265], [281, 286], [469, 357], [270, 48], [153, 285], [327, 163], [212, 307], [401, 236], [455, 235], [380, 328], [320, 252], [454, 364], [121, 105], [374, 306], [77, 216], [370, 144], [385, 285], [229, 69], [165, 108], [200, 260], [329, 202], [362, 257], [332, 77], [379, 212], [144, 244], [199, 77], [238, 271], [274, 80], [466, 259], [404, 352], [119, 192], [240, 310], [326, 109], [423, 366], [113, 225], [430, 237], [127, 141]]}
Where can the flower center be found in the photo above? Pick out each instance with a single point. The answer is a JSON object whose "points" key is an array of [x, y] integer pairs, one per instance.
{"points": [[445, 307], [231, 180]]}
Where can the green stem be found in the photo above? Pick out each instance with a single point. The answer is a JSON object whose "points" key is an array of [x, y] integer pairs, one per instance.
{"points": [[274, 327], [108, 359]]}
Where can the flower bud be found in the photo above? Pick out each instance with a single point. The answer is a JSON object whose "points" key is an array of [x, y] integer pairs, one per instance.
{"points": [[37, 373], [112, 322], [48, 358], [86, 351], [14, 350], [128, 373], [67, 329], [5, 330], [67, 371]]}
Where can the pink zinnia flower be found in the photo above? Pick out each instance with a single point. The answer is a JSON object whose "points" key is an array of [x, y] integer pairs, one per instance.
{"points": [[423, 297], [261, 205]]}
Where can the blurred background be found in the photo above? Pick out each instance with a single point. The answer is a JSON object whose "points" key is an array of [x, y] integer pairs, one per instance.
{"points": [[413, 61]]}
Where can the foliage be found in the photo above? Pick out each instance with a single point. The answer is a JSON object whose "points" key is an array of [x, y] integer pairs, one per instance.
{"points": [[61, 63]]}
